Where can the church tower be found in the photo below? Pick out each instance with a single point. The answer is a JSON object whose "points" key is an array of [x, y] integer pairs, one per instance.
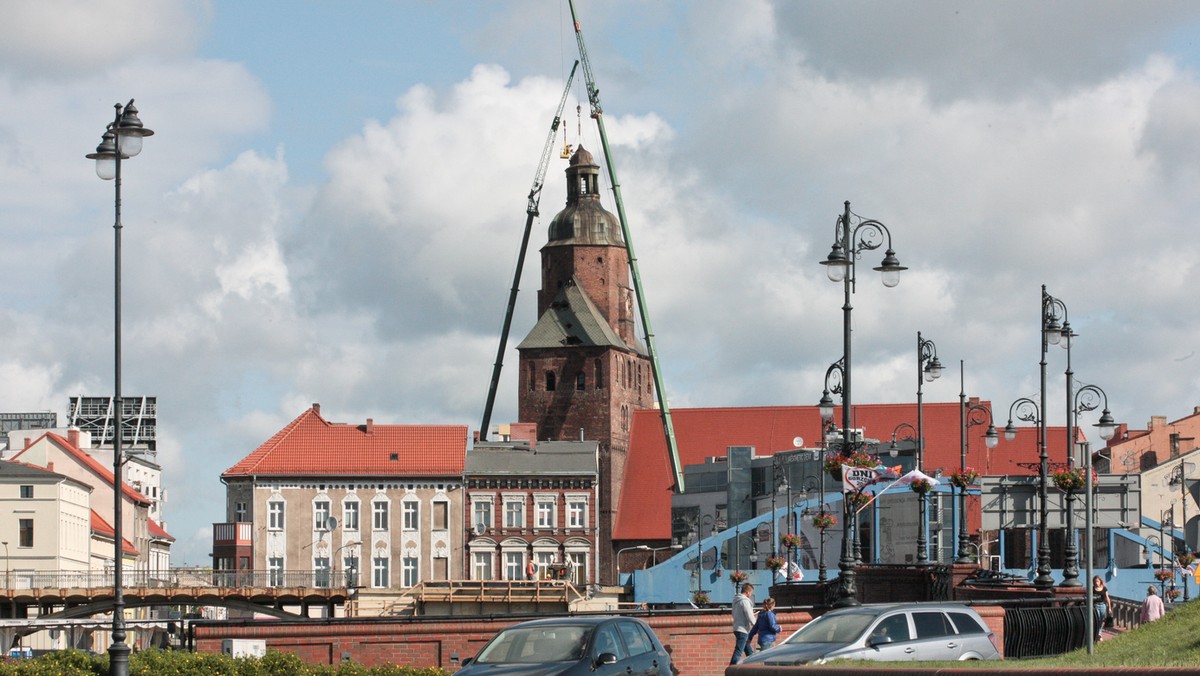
{"points": [[582, 370]]}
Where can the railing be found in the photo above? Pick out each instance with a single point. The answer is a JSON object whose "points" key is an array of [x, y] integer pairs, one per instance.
{"points": [[183, 577]]}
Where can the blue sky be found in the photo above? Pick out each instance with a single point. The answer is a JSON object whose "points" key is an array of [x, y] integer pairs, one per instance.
{"points": [[330, 208]]}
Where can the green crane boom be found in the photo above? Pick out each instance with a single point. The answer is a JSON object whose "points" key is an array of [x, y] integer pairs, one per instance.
{"points": [[535, 196], [598, 115]]}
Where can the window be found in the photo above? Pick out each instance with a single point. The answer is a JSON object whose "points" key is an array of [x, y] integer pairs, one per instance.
{"points": [[532, 376], [894, 627], [483, 513], [441, 515], [514, 565], [550, 381], [966, 624], [379, 573], [321, 572], [350, 515], [577, 567], [275, 566], [514, 514], [635, 638], [932, 625], [545, 513], [599, 368], [275, 515], [482, 565], [441, 568], [379, 515], [580, 382], [239, 511], [576, 513], [25, 533], [411, 513], [321, 515], [607, 641], [409, 576], [26, 492], [350, 565]]}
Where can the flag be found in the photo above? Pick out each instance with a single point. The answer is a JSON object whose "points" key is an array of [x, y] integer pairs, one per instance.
{"points": [[917, 475], [854, 479]]}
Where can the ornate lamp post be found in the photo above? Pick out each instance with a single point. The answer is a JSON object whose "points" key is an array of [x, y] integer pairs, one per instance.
{"points": [[1028, 410], [928, 369], [1179, 476], [1089, 398], [700, 549], [122, 140], [968, 415]]}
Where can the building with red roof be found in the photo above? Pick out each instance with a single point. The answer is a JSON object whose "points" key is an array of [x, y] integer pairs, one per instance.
{"points": [[382, 503]]}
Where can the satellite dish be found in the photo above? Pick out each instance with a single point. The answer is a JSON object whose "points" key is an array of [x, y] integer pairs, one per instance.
{"points": [[331, 523], [479, 529], [798, 442]]}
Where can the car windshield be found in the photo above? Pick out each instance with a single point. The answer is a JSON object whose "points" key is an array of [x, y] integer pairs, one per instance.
{"points": [[533, 645], [842, 628]]}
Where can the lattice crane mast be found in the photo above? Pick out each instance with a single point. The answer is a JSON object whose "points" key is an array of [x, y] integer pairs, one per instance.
{"points": [[531, 210]]}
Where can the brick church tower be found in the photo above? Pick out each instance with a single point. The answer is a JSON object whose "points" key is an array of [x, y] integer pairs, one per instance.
{"points": [[582, 370]]}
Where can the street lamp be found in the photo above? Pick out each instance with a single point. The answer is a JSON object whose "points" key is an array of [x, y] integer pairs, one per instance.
{"points": [[1179, 475], [654, 552], [906, 432], [122, 139], [968, 415], [1089, 398], [700, 549], [617, 559], [850, 241], [1028, 410], [928, 369]]}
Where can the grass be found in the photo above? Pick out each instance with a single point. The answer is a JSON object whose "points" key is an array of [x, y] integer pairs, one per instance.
{"points": [[1172, 641]]}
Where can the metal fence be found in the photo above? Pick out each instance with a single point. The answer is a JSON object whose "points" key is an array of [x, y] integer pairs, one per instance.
{"points": [[184, 577]]}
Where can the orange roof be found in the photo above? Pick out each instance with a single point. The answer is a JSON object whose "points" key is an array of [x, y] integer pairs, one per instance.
{"points": [[95, 466], [313, 446], [105, 529], [707, 432], [156, 530]]}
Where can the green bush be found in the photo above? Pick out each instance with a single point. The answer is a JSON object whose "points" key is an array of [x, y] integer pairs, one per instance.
{"points": [[179, 663]]}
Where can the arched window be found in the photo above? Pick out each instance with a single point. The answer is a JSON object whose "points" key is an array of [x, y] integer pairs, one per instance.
{"points": [[599, 369], [580, 382], [549, 381]]}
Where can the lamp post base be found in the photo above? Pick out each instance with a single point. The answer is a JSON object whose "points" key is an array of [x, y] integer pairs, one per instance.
{"points": [[118, 659]]}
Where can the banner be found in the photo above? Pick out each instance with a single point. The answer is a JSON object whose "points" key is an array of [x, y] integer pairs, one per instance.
{"points": [[857, 478]]}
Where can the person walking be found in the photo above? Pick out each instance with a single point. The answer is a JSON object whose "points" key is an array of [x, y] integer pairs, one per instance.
{"points": [[1101, 604], [1152, 606], [743, 622], [531, 570], [765, 626]]}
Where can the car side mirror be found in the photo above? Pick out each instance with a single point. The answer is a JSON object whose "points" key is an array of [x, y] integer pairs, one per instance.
{"points": [[467, 661], [879, 639], [605, 658]]}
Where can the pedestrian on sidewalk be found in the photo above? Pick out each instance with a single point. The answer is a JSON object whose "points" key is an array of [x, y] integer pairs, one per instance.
{"points": [[743, 622], [1101, 604], [765, 626]]}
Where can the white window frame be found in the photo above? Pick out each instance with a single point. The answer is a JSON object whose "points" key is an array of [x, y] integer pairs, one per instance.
{"points": [[514, 565], [380, 572], [322, 570], [380, 509], [483, 565], [545, 507], [239, 511], [322, 510], [483, 503], [410, 515], [578, 506], [275, 515], [275, 571], [410, 571], [351, 514], [514, 511]]}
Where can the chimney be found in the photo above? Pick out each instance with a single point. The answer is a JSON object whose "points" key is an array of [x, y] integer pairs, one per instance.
{"points": [[316, 408], [370, 425], [28, 442], [73, 436], [50, 466]]}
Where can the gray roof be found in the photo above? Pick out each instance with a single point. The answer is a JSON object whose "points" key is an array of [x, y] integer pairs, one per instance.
{"points": [[547, 457], [20, 470], [573, 320]]}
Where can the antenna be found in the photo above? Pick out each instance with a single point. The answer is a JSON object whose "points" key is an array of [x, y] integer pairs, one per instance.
{"points": [[479, 528]]}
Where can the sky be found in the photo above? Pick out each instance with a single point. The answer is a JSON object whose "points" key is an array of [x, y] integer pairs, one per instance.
{"points": [[331, 205]]}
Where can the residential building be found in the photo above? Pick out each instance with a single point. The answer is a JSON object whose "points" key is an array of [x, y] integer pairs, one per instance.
{"points": [[382, 503], [50, 524], [533, 501]]}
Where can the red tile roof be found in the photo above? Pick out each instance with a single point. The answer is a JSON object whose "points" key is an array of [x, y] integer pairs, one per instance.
{"points": [[104, 529], [156, 530], [94, 466], [707, 432], [313, 446]]}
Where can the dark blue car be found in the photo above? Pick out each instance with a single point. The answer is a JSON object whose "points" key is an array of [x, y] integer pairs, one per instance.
{"points": [[572, 645]]}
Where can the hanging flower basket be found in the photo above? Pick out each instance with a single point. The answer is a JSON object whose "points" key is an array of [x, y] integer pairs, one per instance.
{"points": [[857, 499], [738, 576], [776, 562], [1164, 574], [1070, 478], [1173, 594], [964, 478], [824, 520], [921, 486], [1187, 559], [700, 599], [791, 540]]}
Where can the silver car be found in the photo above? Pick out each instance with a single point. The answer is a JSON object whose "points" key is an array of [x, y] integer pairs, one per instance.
{"points": [[909, 631]]}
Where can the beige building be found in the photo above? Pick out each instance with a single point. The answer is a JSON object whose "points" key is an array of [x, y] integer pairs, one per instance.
{"points": [[323, 503], [49, 527]]}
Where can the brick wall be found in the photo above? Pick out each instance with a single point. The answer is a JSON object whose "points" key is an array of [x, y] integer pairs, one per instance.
{"points": [[700, 643]]}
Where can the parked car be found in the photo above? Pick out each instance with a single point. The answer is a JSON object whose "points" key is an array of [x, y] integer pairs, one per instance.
{"points": [[909, 631], [572, 645]]}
